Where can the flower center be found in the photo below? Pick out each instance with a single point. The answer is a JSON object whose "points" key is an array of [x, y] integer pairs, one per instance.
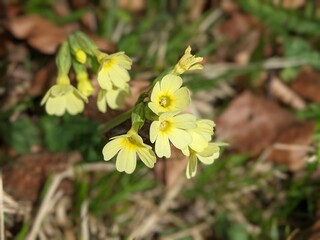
{"points": [[164, 126], [108, 64], [130, 142], [164, 101]]}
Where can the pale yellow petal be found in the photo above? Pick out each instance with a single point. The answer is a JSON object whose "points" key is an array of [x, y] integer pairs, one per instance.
{"points": [[209, 154], [59, 90], [126, 160], [162, 146], [115, 98], [170, 83], [199, 143], [155, 92], [111, 148], [74, 105], [147, 156], [192, 166], [101, 101], [56, 105], [186, 151], [154, 107], [122, 59], [180, 138], [181, 98], [46, 97], [122, 73], [167, 115], [104, 79], [154, 130], [185, 121], [119, 77]]}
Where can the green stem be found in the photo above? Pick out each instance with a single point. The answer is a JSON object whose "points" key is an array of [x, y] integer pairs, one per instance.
{"points": [[106, 127]]}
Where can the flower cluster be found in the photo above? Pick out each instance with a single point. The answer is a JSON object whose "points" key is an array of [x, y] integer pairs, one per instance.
{"points": [[81, 54], [164, 108], [162, 105]]}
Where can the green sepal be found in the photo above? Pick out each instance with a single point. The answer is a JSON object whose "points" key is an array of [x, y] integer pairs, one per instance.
{"points": [[150, 115], [85, 43], [138, 116], [63, 59], [78, 67]]}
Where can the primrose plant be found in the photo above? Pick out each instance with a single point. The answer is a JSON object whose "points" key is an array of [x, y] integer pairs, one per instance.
{"points": [[162, 105]]}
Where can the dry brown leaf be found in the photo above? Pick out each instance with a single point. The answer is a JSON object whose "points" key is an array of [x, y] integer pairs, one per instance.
{"points": [[102, 44], [236, 26], [229, 6], [292, 4], [307, 84], [89, 20], [24, 178], [291, 147], [250, 123], [132, 6], [39, 32], [169, 170], [42, 79]]}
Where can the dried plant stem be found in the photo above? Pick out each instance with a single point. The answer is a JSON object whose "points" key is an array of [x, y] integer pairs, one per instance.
{"points": [[84, 221], [149, 223], [56, 180]]}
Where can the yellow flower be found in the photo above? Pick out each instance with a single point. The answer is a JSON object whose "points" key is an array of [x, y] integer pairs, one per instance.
{"points": [[84, 84], [201, 135], [63, 97], [127, 147], [188, 62], [168, 95], [171, 128], [207, 156], [113, 70], [81, 56], [114, 98]]}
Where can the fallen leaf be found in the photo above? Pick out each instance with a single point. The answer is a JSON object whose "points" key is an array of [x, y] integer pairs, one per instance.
{"points": [[132, 6], [236, 26], [39, 32], [291, 146], [292, 4], [169, 170], [24, 178], [229, 6], [307, 84], [250, 123], [42, 79]]}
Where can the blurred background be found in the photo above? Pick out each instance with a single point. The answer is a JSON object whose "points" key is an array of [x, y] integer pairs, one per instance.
{"points": [[260, 84]]}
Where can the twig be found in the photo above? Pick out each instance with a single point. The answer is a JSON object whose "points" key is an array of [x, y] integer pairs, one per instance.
{"points": [[1, 210]]}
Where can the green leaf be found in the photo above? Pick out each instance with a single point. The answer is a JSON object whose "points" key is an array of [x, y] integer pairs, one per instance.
{"points": [[21, 134]]}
